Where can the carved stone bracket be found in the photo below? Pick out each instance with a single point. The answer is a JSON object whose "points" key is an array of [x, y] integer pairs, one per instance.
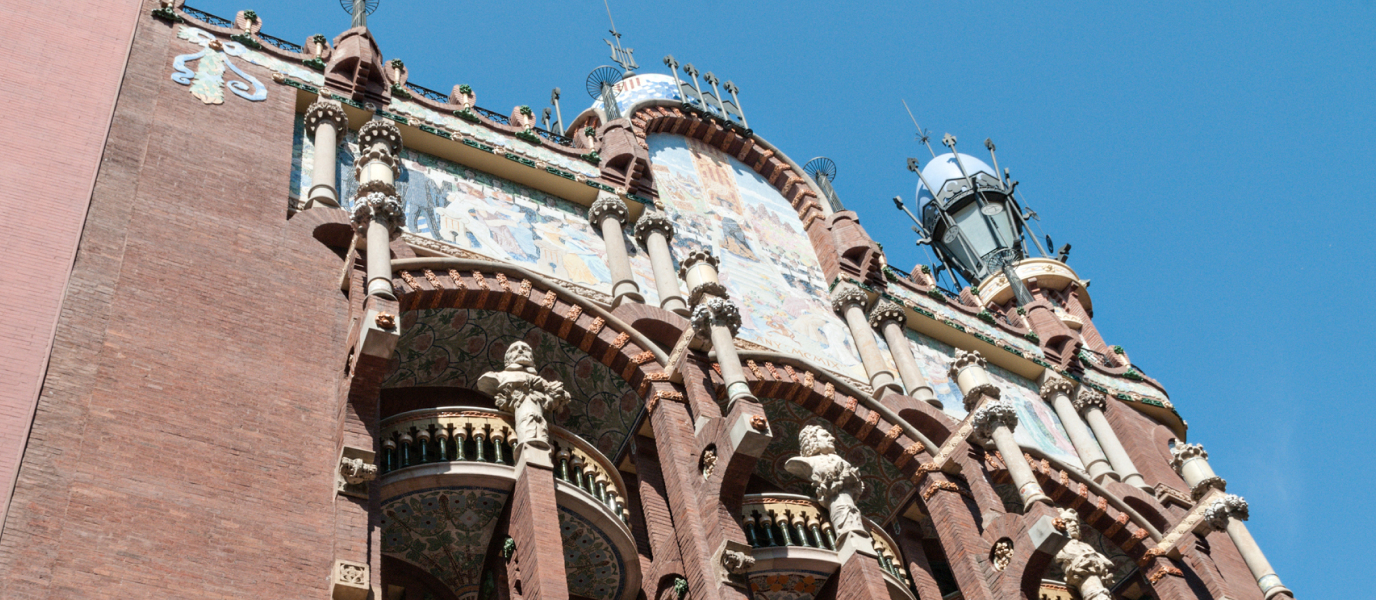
{"points": [[349, 581], [355, 470], [1224, 507], [734, 561]]}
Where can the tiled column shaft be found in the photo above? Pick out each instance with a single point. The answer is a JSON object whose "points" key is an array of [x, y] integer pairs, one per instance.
{"points": [[653, 231], [889, 319], [1091, 404], [608, 214], [1057, 391], [849, 302], [1191, 461], [325, 122]]}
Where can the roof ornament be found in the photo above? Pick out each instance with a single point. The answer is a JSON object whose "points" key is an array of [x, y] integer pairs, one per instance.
{"points": [[620, 56], [823, 171], [360, 9], [923, 135]]}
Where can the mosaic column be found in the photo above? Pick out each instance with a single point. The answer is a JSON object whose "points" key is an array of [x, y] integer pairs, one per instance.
{"points": [[714, 317], [377, 210], [1057, 391], [849, 302], [889, 318], [1091, 404], [653, 231], [608, 214], [1227, 513], [994, 421], [325, 123]]}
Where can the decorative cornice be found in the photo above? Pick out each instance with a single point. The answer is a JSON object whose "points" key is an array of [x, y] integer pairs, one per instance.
{"points": [[608, 206], [1056, 386], [847, 294], [887, 311], [326, 112], [1089, 399], [651, 221], [376, 131]]}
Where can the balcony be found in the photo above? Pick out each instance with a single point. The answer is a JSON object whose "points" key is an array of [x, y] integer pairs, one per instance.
{"points": [[466, 452], [792, 536]]}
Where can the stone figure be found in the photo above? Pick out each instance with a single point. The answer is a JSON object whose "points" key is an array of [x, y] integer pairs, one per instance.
{"points": [[1085, 568], [520, 391], [835, 482]]}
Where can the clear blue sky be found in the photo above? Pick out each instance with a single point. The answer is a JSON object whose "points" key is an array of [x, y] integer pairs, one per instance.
{"points": [[1208, 163]]}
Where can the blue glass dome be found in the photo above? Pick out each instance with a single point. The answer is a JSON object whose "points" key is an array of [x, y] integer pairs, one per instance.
{"points": [[943, 168]]}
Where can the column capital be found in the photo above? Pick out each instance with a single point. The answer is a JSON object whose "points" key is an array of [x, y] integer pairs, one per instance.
{"points": [[608, 205], [384, 208], [1181, 453], [699, 271], [991, 416], [1227, 506], [651, 221], [1088, 400], [847, 294], [885, 311], [1056, 386], [965, 359], [967, 370], [715, 311], [380, 131], [326, 112]]}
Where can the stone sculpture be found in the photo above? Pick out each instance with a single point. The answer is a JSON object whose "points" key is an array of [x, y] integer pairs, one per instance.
{"points": [[1085, 568], [835, 482], [525, 394]]}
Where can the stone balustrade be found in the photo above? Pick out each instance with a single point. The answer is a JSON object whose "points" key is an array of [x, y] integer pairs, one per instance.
{"points": [[782, 520], [470, 434]]}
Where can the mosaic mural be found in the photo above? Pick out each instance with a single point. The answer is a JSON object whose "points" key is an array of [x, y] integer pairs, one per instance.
{"points": [[454, 347], [593, 564], [488, 215], [767, 260], [1038, 425], [885, 485], [207, 81], [445, 531], [790, 585]]}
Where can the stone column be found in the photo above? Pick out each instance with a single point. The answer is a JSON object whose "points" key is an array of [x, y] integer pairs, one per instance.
{"points": [[889, 319], [1057, 391], [1091, 404], [377, 210], [653, 231], [994, 421], [325, 123], [715, 318], [1226, 513], [607, 215], [849, 302]]}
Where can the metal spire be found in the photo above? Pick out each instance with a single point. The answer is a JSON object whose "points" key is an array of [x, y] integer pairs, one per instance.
{"points": [[922, 135], [359, 10], [620, 56]]}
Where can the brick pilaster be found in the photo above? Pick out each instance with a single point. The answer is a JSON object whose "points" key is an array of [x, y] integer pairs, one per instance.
{"points": [[676, 446], [861, 579], [915, 556], [535, 528], [960, 537]]}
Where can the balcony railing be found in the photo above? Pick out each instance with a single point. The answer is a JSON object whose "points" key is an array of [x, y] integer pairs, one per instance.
{"points": [[466, 434], [775, 520]]}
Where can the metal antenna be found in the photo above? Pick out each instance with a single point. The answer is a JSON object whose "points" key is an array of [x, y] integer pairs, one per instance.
{"points": [[989, 143], [620, 56], [558, 115], [922, 134], [359, 9], [544, 117]]}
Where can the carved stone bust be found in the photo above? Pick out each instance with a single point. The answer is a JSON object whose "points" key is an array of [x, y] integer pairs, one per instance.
{"points": [[528, 396], [1085, 568], [835, 482]]}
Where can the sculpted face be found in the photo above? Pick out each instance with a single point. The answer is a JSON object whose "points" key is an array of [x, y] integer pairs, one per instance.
{"points": [[814, 440], [520, 353], [1072, 523]]}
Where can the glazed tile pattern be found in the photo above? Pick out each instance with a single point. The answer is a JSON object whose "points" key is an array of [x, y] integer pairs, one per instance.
{"points": [[445, 531], [594, 566], [885, 485], [767, 261], [487, 215], [787, 585], [454, 347]]}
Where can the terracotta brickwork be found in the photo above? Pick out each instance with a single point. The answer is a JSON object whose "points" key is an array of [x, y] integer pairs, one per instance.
{"points": [[216, 353]]}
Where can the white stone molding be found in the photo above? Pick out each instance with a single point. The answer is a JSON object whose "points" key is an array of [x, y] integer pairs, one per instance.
{"points": [[378, 131], [846, 295], [1223, 508], [379, 207], [887, 311], [1089, 399]]}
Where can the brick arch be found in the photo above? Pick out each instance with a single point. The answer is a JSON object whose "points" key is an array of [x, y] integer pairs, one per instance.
{"points": [[772, 166], [474, 284]]}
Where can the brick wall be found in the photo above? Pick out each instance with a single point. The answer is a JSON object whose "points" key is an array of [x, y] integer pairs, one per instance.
{"points": [[62, 71], [184, 442]]}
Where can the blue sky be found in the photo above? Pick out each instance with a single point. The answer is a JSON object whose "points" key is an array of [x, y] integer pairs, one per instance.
{"points": [[1208, 162]]}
